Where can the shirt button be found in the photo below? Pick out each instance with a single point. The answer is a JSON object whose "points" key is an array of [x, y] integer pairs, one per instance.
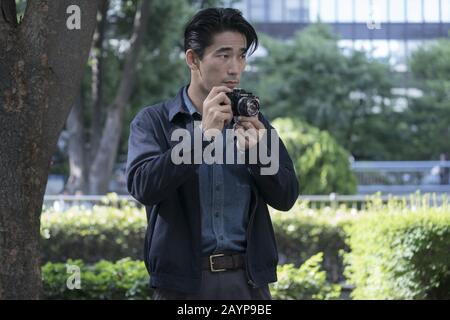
{"points": [[220, 237]]}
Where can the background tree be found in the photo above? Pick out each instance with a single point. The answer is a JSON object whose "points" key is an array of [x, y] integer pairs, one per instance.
{"points": [[121, 78], [322, 166], [343, 92], [428, 117], [92, 164], [41, 66]]}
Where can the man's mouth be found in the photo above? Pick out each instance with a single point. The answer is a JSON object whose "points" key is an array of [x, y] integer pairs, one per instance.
{"points": [[231, 83]]}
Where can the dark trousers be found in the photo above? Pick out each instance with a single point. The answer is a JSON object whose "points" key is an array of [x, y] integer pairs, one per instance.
{"points": [[227, 285]]}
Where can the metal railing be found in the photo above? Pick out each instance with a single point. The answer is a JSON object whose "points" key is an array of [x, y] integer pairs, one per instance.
{"points": [[314, 201], [402, 177]]}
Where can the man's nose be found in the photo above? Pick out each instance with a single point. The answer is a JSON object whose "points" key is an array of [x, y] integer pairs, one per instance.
{"points": [[235, 67]]}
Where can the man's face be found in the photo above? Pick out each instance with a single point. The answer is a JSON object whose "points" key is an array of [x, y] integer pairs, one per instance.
{"points": [[223, 61]]}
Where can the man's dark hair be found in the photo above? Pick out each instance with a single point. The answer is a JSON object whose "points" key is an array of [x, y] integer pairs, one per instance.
{"points": [[206, 23]]}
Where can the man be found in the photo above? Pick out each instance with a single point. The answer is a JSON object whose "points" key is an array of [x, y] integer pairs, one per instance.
{"points": [[209, 232]]}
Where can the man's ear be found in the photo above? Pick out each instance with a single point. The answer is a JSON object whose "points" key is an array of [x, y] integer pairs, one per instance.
{"points": [[192, 60]]}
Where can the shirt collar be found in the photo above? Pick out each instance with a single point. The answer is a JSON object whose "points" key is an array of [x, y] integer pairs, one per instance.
{"points": [[176, 105], [182, 104], [188, 102]]}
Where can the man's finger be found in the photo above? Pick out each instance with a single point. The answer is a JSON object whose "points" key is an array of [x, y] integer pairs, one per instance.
{"points": [[242, 143], [254, 120], [247, 125], [216, 90], [221, 99], [226, 117], [224, 108]]}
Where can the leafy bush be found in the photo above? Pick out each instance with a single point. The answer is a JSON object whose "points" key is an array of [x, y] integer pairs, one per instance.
{"points": [[103, 232], [125, 279], [304, 232], [111, 234], [396, 252], [322, 166], [399, 253], [306, 282]]}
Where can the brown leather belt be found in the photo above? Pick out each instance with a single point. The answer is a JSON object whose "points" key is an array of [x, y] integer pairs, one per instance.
{"points": [[223, 262]]}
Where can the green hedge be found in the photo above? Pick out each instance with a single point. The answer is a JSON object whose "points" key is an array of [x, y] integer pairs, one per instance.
{"points": [[304, 232], [103, 232], [112, 234], [306, 282], [124, 279], [397, 253], [128, 279]]}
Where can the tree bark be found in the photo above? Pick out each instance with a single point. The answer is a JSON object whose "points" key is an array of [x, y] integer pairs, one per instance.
{"points": [[41, 64], [103, 163]]}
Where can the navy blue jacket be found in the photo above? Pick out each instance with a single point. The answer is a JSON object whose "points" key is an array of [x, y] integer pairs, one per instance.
{"points": [[170, 193]]}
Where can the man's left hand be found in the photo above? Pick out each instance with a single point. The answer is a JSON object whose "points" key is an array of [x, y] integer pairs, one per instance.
{"points": [[249, 131]]}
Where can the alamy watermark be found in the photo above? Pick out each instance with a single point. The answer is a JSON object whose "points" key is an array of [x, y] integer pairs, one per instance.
{"points": [[74, 280], [190, 148], [73, 22]]}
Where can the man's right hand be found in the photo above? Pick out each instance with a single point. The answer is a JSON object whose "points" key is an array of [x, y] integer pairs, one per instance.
{"points": [[216, 111]]}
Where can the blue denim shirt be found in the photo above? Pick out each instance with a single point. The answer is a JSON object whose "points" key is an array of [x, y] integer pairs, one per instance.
{"points": [[224, 200]]}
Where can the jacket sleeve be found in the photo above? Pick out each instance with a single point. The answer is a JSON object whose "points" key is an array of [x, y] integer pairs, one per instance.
{"points": [[151, 174], [279, 188]]}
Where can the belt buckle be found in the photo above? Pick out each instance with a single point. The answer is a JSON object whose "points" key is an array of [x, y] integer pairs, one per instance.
{"points": [[211, 263]]}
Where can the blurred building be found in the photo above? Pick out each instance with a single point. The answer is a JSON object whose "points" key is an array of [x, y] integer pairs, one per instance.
{"points": [[384, 27]]}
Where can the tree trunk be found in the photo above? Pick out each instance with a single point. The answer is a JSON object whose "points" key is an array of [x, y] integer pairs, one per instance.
{"points": [[104, 161], [104, 143], [98, 107], [41, 64], [78, 180], [102, 166], [84, 143]]}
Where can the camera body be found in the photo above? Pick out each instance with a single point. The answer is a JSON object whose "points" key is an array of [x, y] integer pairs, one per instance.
{"points": [[243, 103]]}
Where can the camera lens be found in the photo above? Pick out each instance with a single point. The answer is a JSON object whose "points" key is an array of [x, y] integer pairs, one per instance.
{"points": [[252, 107]]}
